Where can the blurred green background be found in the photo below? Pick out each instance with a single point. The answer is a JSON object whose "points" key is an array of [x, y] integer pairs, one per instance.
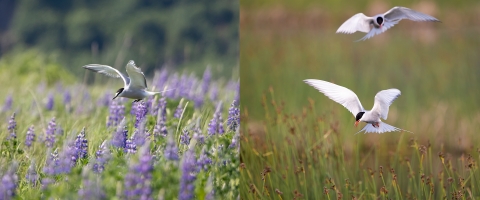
{"points": [[435, 65], [174, 34]]}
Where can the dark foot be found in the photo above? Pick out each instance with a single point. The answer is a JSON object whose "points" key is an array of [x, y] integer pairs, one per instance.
{"points": [[376, 125], [137, 100]]}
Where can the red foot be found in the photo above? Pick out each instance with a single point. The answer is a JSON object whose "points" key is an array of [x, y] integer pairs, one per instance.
{"points": [[376, 125]]}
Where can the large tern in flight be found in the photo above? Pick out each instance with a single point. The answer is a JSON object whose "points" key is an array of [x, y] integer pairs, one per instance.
{"points": [[381, 22], [349, 100]]}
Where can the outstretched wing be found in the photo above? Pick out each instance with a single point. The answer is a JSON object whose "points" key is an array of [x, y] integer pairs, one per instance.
{"points": [[107, 70], [383, 100], [399, 13], [358, 22], [383, 128], [339, 94], [137, 78]]}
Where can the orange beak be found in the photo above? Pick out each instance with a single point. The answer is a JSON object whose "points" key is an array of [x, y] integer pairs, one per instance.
{"points": [[356, 123]]}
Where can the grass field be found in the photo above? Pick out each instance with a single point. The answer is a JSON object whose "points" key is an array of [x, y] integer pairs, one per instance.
{"points": [[87, 146], [298, 141]]}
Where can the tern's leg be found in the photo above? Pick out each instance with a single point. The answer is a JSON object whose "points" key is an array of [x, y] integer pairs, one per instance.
{"points": [[137, 100]]}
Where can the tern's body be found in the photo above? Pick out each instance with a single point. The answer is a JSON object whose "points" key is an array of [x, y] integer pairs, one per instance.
{"points": [[135, 83], [349, 100], [381, 22]]}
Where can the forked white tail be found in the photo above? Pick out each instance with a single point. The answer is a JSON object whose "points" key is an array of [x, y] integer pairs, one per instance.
{"points": [[383, 128]]}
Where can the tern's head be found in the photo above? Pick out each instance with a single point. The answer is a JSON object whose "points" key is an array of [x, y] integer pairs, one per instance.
{"points": [[358, 117], [119, 91], [378, 21]]}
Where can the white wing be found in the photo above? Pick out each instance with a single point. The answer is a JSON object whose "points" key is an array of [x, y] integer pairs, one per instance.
{"points": [[399, 13], [358, 22], [137, 79], [383, 128], [383, 100], [339, 94], [107, 70]]}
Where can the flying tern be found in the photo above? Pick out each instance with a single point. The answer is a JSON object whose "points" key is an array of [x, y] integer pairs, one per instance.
{"points": [[381, 22], [135, 83], [349, 100]]}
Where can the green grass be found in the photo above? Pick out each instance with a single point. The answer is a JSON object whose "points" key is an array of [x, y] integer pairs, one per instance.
{"points": [[307, 141], [84, 111]]}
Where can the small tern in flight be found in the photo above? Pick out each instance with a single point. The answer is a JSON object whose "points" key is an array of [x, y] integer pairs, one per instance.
{"points": [[135, 83], [349, 100], [381, 22]]}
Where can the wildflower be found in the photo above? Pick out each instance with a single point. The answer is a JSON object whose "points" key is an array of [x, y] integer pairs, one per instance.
{"points": [[32, 175], [12, 126], [179, 110], [67, 97], [139, 136], [81, 145], [160, 127], [198, 136], [189, 175], [171, 150], [102, 156], [207, 76], [235, 139], [9, 183], [49, 105], [214, 92], [162, 78], [140, 113], [119, 138], [204, 160], [50, 138], [116, 113], [216, 124], [184, 137], [66, 159], [8, 103], [233, 120], [130, 146], [91, 187], [51, 162], [139, 177], [30, 138]]}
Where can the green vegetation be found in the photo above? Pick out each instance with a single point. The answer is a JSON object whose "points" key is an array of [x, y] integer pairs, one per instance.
{"points": [[304, 142], [40, 91]]}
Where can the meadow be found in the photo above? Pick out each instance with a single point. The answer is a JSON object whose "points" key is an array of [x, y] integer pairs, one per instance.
{"points": [[65, 139], [298, 144]]}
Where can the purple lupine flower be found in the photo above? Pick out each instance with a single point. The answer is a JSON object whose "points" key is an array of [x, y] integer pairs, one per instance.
{"points": [[139, 135], [149, 104], [12, 127], [106, 100], [235, 139], [216, 124], [49, 104], [46, 182], [59, 130], [91, 186], [189, 174], [233, 120], [198, 136], [50, 133], [67, 97], [102, 157], [139, 177], [51, 163], [213, 92], [119, 138], [9, 183], [207, 76], [173, 82], [8, 103], [117, 113], [171, 149], [32, 175], [67, 158], [140, 113], [162, 78], [184, 137], [160, 127], [204, 160], [130, 146], [178, 111], [81, 145], [30, 136]]}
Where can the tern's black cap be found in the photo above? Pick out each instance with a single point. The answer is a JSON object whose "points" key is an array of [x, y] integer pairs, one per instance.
{"points": [[359, 116]]}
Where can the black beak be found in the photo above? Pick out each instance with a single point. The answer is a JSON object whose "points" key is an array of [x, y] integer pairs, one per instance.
{"points": [[115, 97]]}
